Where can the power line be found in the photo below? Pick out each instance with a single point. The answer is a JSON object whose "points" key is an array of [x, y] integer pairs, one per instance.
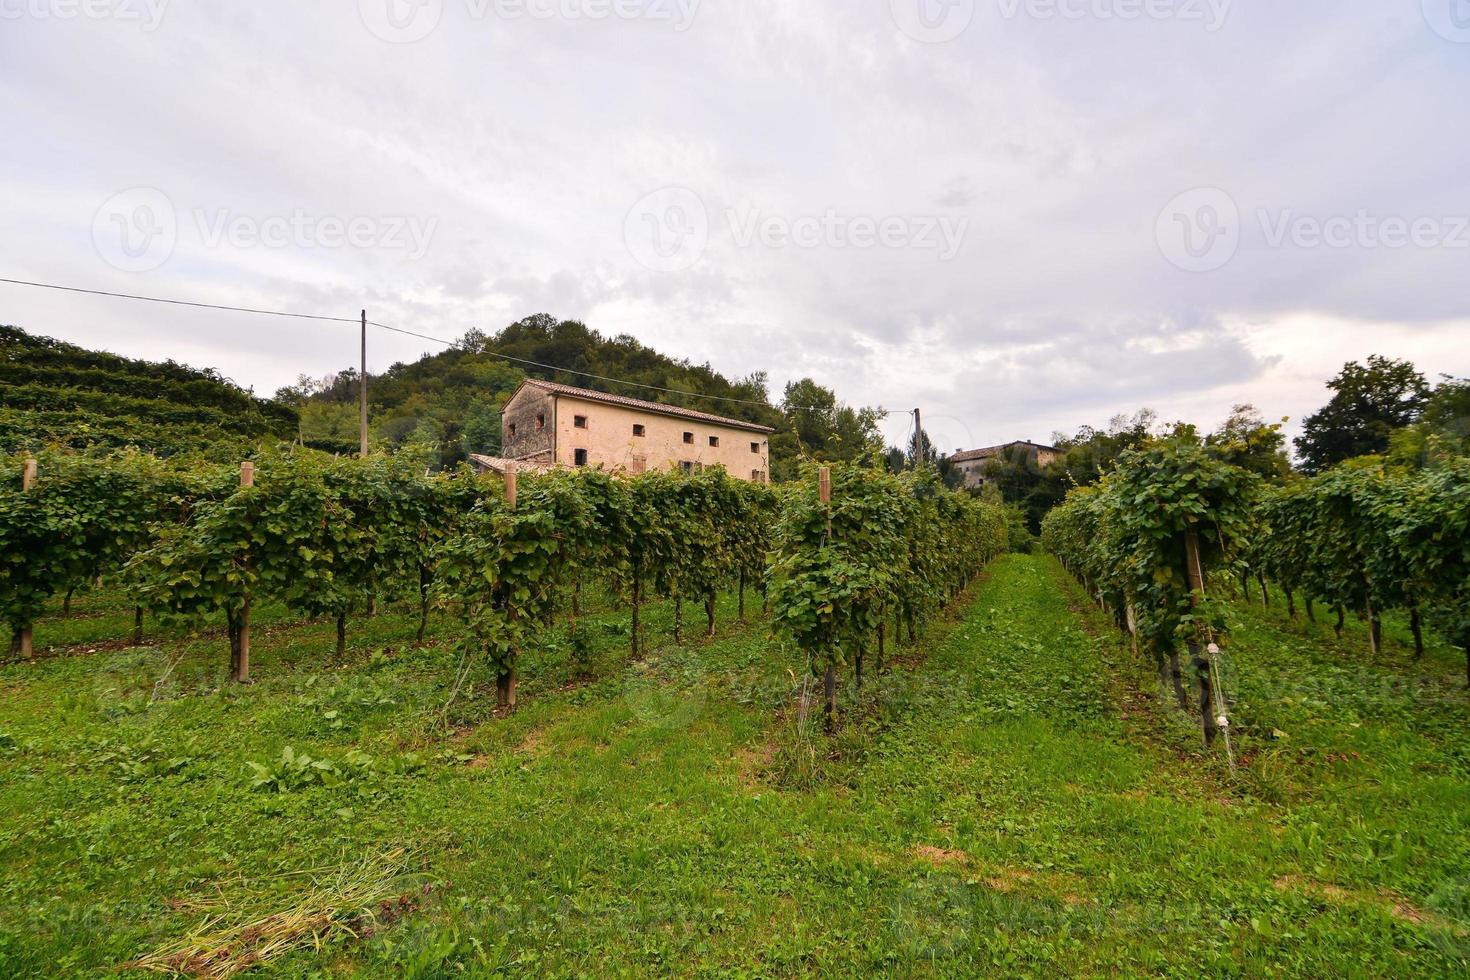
{"points": [[399, 330], [382, 326], [177, 302]]}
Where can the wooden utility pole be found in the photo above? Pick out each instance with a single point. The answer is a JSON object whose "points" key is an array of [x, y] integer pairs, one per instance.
{"points": [[829, 679], [920, 456], [505, 684], [27, 483], [362, 394], [1198, 651], [241, 673]]}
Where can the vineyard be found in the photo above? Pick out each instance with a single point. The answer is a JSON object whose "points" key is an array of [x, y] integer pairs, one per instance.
{"points": [[331, 537], [1156, 538], [315, 715]]}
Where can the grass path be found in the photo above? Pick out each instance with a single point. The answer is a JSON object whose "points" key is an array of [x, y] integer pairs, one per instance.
{"points": [[1010, 803]]}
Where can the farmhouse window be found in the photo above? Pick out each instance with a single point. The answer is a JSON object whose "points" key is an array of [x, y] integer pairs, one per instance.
{"points": [[714, 441], [755, 447], [580, 457], [640, 431], [689, 438], [540, 422], [580, 421]]}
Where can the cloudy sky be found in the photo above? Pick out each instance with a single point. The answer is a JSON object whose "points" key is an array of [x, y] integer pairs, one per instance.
{"points": [[1020, 215]]}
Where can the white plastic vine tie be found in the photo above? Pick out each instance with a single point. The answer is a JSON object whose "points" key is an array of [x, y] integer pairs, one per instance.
{"points": [[1211, 653], [1223, 719]]}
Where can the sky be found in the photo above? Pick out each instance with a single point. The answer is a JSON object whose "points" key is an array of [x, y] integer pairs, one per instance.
{"points": [[1018, 215]]}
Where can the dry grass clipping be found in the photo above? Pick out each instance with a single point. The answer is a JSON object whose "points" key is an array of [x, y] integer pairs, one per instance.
{"points": [[349, 900]]}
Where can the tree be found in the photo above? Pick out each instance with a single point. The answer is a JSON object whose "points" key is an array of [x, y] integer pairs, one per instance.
{"points": [[1368, 404], [821, 428], [481, 433], [1248, 441]]}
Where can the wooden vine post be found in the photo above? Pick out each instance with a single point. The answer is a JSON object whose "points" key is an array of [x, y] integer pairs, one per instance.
{"points": [[240, 672], [829, 679], [1199, 652], [27, 483], [505, 683]]}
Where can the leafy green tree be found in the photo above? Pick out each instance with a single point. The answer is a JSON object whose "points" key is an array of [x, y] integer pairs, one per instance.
{"points": [[1369, 402], [482, 433], [1248, 441]]}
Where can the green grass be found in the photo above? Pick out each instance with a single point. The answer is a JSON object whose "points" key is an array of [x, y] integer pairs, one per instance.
{"points": [[1014, 796]]}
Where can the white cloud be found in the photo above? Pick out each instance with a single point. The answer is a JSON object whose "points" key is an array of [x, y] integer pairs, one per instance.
{"points": [[528, 141]]}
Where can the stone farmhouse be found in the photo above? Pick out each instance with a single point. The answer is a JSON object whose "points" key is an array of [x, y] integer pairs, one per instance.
{"points": [[546, 425], [972, 463]]}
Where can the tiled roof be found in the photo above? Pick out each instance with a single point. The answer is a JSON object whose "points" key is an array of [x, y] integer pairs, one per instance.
{"points": [[497, 464], [587, 394], [990, 451]]}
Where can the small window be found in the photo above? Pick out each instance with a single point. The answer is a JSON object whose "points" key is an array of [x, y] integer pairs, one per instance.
{"points": [[512, 430], [580, 457], [580, 421], [688, 438], [540, 422], [640, 464], [686, 466], [714, 442], [755, 447], [758, 476], [640, 431]]}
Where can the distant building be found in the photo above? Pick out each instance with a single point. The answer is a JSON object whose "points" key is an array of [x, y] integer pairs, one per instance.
{"points": [[546, 425], [972, 463]]}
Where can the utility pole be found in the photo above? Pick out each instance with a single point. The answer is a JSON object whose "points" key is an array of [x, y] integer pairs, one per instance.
{"points": [[362, 408], [921, 453]]}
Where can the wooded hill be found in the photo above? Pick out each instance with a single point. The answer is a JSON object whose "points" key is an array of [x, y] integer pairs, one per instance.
{"points": [[55, 393], [449, 402]]}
